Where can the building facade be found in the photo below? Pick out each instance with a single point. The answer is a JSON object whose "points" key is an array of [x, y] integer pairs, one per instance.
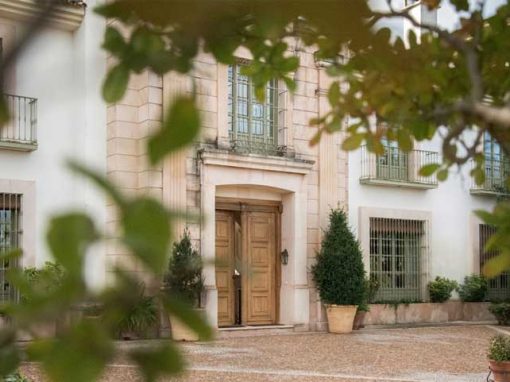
{"points": [[256, 194], [262, 193], [412, 228], [56, 114]]}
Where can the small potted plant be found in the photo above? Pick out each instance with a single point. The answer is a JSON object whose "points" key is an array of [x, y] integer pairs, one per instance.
{"points": [[499, 358], [339, 274], [184, 280]]}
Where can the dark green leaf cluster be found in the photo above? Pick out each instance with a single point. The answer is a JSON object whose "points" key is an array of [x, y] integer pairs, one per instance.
{"points": [[184, 276], [474, 289], [501, 311], [440, 290], [339, 273], [499, 349]]}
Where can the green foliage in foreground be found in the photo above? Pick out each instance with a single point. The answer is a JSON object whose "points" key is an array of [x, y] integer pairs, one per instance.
{"points": [[413, 91], [339, 274]]}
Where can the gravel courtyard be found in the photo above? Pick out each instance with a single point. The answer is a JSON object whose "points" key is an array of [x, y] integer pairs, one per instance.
{"points": [[443, 354]]}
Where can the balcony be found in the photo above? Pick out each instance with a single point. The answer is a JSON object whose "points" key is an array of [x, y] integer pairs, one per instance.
{"points": [[255, 144], [496, 174], [19, 132], [397, 168]]}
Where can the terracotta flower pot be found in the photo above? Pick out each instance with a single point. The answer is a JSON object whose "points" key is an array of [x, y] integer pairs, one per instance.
{"points": [[340, 318], [500, 370], [359, 320]]}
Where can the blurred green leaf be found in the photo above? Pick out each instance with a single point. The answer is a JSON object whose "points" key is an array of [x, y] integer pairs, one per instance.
{"points": [[4, 112], [496, 265], [442, 175], [146, 226], [191, 317], [68, 237], [460, 5], [10, 356], [353, 142], [158, 361], [429, 169], [116, 83], [113, 41], [180, 126], [334, 93], [78, 356]]}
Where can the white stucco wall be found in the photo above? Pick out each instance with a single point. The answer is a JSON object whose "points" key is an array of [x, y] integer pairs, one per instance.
{"points": [[64, 71], [451, 206]]}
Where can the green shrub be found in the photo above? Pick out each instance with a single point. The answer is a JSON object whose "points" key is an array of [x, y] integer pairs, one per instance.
{"points": [[45, 280], [474, 289], [440, 290], [372, 285], [501, 311], [140, 316], [499, 349], [184, 276], [338, 273]]}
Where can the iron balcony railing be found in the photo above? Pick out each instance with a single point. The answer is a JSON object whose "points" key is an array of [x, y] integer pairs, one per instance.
{"points": [[253, 144], [497, 172], [20, 131], [397, 166]]}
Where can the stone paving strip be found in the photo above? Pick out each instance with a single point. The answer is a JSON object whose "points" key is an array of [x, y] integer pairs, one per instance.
{"points": [[435, 354]]}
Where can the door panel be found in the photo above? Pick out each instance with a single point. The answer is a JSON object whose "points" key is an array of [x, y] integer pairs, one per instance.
{"points": [[224, 267], [259, 230]]}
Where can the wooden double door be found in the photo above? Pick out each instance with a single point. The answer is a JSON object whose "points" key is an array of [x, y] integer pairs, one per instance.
{"points": [[246, 264]]}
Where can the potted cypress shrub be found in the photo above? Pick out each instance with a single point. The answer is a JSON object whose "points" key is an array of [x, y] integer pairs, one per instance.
{"points": [[184, 279], [499, 358], [339, 274]]}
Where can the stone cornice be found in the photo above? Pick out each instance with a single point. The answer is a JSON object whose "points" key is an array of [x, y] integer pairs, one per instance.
{"points": [[68, 17], [255, 162]]}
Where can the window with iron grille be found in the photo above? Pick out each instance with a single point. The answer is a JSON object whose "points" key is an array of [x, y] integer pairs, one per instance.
{"points": [[497, 165], [499, 287], [396, 251], [252, 124], [10, 239]]}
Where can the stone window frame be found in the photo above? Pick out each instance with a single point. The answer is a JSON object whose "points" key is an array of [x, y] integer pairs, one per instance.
{"points": [[365, 213], [28, 240]]}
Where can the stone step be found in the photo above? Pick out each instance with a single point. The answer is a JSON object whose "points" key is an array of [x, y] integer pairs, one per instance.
{"points": [[252, 331]]}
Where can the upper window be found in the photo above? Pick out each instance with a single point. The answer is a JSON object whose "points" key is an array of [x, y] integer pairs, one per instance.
{"points": [[10, 238], [497, 165], [252, 124]]}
